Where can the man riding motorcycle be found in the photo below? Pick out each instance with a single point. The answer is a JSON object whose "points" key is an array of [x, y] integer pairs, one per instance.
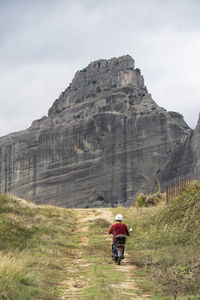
{"points": [[117, 229]]}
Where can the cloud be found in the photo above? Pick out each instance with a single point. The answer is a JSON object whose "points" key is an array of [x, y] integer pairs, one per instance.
{"points": [[43, 43]]}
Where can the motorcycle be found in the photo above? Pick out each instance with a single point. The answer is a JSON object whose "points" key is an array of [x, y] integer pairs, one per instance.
{"points": [[118, 248]]}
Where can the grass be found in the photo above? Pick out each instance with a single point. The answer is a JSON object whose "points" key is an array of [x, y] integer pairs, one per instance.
{"points": [[165, 245], [102, 278], [40, 244], [36, 243], [11, 274]]}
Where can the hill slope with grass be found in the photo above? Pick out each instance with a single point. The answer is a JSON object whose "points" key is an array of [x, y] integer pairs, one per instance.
{"points": [[167, 245], [55, 253], [33, 244]]}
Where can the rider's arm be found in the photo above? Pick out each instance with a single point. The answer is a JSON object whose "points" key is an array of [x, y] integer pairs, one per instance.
{"points": [[127, 232], [111, 230]]}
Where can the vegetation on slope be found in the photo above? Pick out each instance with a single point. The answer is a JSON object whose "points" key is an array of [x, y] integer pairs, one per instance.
{"points": [[166, 244], [53, 253], [33, 241], [44, 250]]}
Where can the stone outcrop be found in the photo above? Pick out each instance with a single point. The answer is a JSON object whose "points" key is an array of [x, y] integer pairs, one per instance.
{"points": [[99, 76], [196, 151], [104, 140]]}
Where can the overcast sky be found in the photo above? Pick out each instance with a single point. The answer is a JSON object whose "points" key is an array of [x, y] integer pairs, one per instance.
{"points": [[44, 42]]}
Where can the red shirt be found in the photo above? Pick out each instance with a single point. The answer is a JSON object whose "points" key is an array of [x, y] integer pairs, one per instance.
{"points": [[118, 228]]}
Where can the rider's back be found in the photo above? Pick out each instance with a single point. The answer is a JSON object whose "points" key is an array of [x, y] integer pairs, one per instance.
{"points": [[119, 228]]}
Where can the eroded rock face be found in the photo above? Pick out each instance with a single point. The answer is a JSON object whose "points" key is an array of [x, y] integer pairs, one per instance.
{"points": [[103, 141], [196, 151], [99, 76]]}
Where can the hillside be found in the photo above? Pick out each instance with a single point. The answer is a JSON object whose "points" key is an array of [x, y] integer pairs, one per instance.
{"points": [[103, 141], [167, 244], [56, 253], [53, 253]]}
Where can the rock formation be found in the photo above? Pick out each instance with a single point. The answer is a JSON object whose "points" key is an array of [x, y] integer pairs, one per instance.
{"points": [[104, 140], [196, 151]]}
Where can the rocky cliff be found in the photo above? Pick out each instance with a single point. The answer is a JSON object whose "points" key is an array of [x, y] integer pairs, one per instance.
{"points": [[196, 151], [104, 140]]}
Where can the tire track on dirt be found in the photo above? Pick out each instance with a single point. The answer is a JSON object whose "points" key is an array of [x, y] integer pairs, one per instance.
{"points": [[75, 282]]}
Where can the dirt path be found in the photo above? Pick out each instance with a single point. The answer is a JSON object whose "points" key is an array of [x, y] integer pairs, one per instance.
{"points": [[129, 283], [73, 285]]}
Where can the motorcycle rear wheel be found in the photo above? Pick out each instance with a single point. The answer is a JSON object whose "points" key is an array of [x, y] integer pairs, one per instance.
{"points": [[118, 260]]}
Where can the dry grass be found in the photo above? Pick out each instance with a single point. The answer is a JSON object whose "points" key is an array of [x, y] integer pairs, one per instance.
{"points": [[11, 274], [166, 244], [36, 242], [143, 200]]}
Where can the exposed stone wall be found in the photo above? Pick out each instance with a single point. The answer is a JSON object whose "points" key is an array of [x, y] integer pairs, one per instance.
{"points": [[98, 76], [196, 151], [98, 148]]}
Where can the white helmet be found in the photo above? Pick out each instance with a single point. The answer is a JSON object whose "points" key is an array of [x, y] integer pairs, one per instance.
{"points": [[118, 217]]}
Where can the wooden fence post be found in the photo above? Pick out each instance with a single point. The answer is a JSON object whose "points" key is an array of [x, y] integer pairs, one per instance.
{"points": [[167, 194], [176, 188]]}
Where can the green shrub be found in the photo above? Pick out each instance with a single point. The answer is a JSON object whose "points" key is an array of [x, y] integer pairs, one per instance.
{"points": [[141, 200], [98, 90], [154, 199], [100, 198], [149, 200]]}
